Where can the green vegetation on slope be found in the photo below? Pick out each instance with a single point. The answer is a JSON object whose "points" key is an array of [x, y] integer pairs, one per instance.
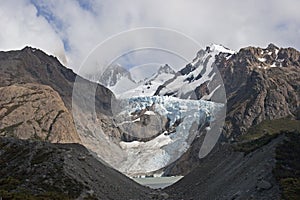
{"points": [[287, 170], [271, 127], [251, 145], [265, 132]]}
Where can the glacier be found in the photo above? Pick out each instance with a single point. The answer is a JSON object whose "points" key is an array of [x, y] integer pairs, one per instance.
{"points": [[157, 130], [165, 148]]}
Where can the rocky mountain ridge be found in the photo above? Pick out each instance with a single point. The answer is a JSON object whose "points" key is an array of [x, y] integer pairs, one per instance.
{"points": [[261, 84], [270, 76], [254, 94], [33, 66]]}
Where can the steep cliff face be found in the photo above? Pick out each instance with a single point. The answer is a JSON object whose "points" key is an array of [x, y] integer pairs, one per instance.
{"points": [[260, 84], [35, 111], [31, 65]]}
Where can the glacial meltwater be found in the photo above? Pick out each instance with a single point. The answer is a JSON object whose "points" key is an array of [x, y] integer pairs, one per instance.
{"points": [[157, 182]]}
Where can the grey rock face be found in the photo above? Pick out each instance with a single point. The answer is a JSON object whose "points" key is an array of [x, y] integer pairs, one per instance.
{"points": [[34, 111], [260, 84]]}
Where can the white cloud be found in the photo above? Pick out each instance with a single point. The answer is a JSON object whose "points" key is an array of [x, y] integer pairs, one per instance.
{"points": [[20, 26], [232, 23]]}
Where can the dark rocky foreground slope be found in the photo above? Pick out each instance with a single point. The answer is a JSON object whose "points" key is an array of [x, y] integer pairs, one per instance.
{"points": [[229, 174], [264, 168], [38, 170]]}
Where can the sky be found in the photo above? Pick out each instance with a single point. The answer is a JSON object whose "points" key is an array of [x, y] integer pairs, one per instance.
{"points": [[70, 30]]}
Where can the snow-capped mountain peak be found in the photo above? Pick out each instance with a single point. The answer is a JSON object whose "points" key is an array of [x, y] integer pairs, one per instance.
{"points": [[113, 74], [166, 69], [211, 51], [117, 79], [150, 85], [193, 81], [218, 48]]}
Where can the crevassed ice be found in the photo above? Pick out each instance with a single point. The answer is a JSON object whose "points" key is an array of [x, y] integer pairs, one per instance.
{"points": [[144, 157]]}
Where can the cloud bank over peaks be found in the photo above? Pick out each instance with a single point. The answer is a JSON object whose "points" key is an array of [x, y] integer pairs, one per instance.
{"points": [[72, 29]]}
